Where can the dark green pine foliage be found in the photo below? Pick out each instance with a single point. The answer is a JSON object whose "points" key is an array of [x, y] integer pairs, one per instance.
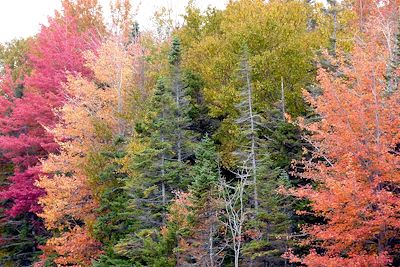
{"points": [[183, 135], [115, 220], [21, 234], [204, 235], [157, 173], [207, 235], [279, 226], [269, 144], [159, 170], [205, 172]]}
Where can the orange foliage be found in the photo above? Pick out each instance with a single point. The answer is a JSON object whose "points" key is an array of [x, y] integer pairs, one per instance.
{"points": [[75, 248], [67, 187], [358, 180], [368, 9], [88, 14]]}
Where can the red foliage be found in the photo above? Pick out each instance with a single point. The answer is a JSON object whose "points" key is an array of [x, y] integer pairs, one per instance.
{"points": [[56, 52]]}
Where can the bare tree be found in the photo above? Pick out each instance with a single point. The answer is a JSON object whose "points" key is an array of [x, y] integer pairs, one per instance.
{"points": [[248, 121], [233, 197]]}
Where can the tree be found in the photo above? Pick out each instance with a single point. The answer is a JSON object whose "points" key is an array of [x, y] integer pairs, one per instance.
{"points": [[79, 167], [114, 221], [13, 55], [200, 237], [70, 201], [392, 77], [248, 123], [27, 110], [181, 118], [161, 166], [75, 247], [279, 37], [23, 128], [353, 164], [236, 212], [155, 164], [87, 13]]}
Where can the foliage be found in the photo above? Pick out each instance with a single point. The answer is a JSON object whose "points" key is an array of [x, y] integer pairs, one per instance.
{"points": [[280, 45], [255, 135], [353, 161]]}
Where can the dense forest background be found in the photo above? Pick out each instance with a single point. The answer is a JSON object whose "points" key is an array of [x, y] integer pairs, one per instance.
{"points": [[264, 134]]}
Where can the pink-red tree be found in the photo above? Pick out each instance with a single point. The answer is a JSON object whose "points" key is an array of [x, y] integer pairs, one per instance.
{"points": [[56, 52]]}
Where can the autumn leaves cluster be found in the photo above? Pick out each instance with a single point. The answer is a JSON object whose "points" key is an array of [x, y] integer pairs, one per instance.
{"points": [[262, 133]]}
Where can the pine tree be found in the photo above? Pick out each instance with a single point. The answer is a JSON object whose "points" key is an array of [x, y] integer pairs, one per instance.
{"points": [[114, 221], [181, 119], [155, 174], [266, 235], [205, 172], [155, 165], [201, 244]]}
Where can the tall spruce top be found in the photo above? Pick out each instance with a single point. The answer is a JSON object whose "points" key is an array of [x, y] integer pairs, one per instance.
{"points": [[160, 87], [135, 30], [175, 52]]}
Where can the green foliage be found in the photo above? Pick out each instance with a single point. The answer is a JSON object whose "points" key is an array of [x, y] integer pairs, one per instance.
{"points": [[21, 234], [14, 55], [280, 45], [198, 111], [175, 53], [205, 172], [147, 248], [114, 221]]}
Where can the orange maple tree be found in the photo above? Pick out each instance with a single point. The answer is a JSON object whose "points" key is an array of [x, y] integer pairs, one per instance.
{"points": [[69, 205], [88, 14], [355, 162]]}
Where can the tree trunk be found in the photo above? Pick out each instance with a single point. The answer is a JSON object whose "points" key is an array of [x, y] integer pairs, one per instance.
{"points": [[252, 133]]}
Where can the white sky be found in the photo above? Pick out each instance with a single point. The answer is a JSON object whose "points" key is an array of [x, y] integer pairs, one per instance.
{"points": [[22, 18]]}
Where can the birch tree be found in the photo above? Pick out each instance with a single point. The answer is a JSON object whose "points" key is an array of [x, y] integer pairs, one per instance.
{"points": [[235, 208]]}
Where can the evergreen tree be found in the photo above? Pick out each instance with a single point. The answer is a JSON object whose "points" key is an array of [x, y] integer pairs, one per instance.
{"points": [[205, 173], [198, 112], [156, 166], [206, 237], [181, 119], [266, 158], [157, 172], [114, 221], [194, 216]]}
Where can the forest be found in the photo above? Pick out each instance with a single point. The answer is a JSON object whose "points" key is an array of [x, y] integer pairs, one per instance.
{"points": [[266, 134]]}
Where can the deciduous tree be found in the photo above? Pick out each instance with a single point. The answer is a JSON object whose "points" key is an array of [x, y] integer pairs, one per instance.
{"points": [[354, 161]]}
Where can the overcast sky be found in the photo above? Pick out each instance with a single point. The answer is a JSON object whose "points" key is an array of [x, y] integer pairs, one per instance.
{"points": [[22, 18]]}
